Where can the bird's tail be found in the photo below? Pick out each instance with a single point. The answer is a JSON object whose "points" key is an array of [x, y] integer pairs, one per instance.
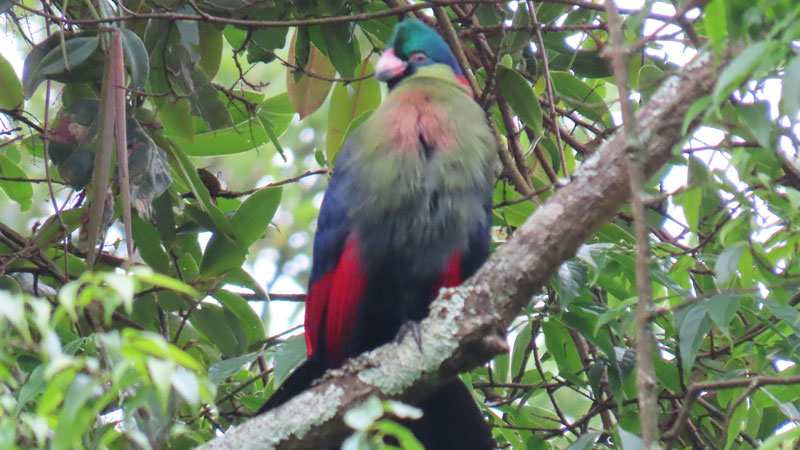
{"points": [[452, 420], [298, 381]]}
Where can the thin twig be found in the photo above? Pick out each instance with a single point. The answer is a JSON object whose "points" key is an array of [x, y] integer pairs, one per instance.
{"points": [[247, 23], [696, 389], [548, 84], [237, 194], [311, 74], [645, 342]]}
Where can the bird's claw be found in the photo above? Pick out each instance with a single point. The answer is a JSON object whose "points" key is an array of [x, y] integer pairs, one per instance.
{"points": [[412, 327]]}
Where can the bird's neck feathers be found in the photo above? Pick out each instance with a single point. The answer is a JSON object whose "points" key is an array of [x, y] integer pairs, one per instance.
{"points": [[421, 113], [428, 136], [437, 72]]}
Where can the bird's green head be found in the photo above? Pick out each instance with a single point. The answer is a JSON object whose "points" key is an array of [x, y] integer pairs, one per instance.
{"points": [[414, 45]]}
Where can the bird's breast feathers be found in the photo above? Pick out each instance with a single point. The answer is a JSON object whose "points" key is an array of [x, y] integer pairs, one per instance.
{"points": [[414, 124]]}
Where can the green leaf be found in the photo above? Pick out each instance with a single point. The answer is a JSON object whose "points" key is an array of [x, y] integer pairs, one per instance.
{"points": [[722, 309], [210, 49], [236, 37], [221, 370], [715, 20], [628, 440], [20, 192], [736, 424], [147, 275], [248, 319], [78, 50], [650, 78], [691, 200], [176, 117], [274, 115], [380, 27], [74, 417], [517, 40], [561, 347], [186, 385], [779, 441], [12, 308], [270, 129], [402, 410], [342, 47], [585, 63], [240, 277], [34, 385], [31, 77], [148, 242], [204, 98], [667, 281], [667, 374], [519, 94], [253, 216], [188, 267], [585, 442], [289, 355], [136, 58], [362, 417], [161, 371], [787, 408], [263, 43], [788, 314], [698, 107], [739, 69], [790, 92], [211, 323], [548, 12], [501, 367], [11, 96], [348, 102], [239, 138], [404, 436], [573, 278], [693, 328], [50, 231], [725, 266], [520, 348], [183, 165], [755, 117], [171, 301], [579, 95], [222, 254]]}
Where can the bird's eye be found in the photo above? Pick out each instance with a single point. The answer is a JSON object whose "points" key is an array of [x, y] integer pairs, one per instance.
{"points": [[418, 57]]}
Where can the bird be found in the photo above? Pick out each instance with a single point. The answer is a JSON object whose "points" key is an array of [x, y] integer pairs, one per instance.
{"points": [[406, 213]]}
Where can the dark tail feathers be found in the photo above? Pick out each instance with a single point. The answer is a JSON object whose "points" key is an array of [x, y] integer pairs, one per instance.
{"points": [[298, 381], [451, 418]]}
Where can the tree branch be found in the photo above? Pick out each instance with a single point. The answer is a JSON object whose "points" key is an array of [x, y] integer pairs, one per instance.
{"points": [[466, 325]]}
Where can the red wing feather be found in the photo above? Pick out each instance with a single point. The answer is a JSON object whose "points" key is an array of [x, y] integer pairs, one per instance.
{"points": [[451, 276], [316, 304], [332, 305], [347, 290]]}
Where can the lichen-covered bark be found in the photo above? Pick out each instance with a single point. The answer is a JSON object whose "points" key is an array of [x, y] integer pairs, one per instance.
{"points": [[467, 324]]}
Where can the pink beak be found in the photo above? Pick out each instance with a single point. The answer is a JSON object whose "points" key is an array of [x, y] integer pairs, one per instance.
{"points": [[389, 66]]}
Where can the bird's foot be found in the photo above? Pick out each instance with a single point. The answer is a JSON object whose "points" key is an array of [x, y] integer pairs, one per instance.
{"points": [[412, 327]]}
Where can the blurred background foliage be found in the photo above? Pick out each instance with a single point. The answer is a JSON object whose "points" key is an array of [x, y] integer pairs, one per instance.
{"points": [[236, 111]]}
